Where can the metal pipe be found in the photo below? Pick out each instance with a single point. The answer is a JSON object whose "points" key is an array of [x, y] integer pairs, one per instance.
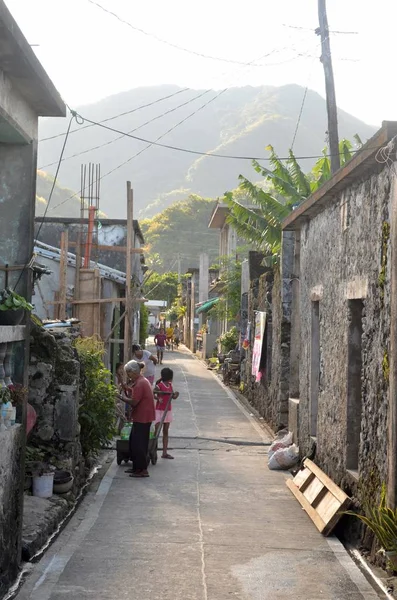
{"points": [[88, 246]]}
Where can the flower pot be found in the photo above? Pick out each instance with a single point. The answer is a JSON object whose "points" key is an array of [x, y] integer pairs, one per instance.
{"points": [[63, 488], [62, 477], [43, 485], [392, 558], [11, 317]]}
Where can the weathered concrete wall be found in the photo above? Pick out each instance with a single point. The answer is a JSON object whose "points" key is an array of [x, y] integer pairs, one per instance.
{"points": [[344, 255], [20, 116], [11, 445]]}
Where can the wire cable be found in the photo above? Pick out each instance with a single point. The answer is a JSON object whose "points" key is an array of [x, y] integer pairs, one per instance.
{"points": [[197, 152], [123, 114], [72, 118], [129, 132], [150, 144], [167, 43]]}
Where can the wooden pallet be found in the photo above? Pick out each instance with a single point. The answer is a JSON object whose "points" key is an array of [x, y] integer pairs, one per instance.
{"points": [[320, 497]]}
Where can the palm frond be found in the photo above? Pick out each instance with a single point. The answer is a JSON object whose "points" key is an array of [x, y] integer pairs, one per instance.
{"points": [[272, 209], [345, 150], [301, 181], [358, 140]]}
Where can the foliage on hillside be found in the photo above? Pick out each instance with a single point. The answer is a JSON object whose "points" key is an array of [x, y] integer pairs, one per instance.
{"points": [[68, 207], [181, 230], [240, 122]]}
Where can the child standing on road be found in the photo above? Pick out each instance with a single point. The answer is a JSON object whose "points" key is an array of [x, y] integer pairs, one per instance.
{"points": [[164, 384]]}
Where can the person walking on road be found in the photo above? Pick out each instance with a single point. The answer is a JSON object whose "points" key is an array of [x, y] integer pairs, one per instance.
{"points": [[148, 359], [160, 340], [139, 395], [164, 384]]}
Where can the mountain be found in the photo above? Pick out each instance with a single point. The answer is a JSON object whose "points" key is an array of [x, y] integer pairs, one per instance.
{"points": [[239, 122], [62, 205], [179, 234]]}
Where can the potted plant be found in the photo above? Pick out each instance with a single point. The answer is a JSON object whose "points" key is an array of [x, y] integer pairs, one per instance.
{"points": [[12, 307], [6, 409], [382, 520]]}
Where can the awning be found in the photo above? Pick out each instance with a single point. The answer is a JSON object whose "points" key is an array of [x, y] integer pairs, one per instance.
{"points": [[207, 305]]}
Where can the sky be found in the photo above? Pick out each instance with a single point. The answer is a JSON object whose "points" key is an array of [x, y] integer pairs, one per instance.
{"points": [[90, 54]]}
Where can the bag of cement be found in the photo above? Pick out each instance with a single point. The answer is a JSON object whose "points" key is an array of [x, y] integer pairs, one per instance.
{"points": [[284, 458], [281, 442]]}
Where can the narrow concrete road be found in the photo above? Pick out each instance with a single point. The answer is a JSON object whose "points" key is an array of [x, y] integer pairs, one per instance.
{"points": [[213, 524]]}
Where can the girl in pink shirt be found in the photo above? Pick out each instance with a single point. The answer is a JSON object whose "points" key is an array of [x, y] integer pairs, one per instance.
{"points": [[164, 384]]}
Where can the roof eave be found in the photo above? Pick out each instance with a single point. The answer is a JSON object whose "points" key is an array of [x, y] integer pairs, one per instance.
{"points": [[32, 80]]}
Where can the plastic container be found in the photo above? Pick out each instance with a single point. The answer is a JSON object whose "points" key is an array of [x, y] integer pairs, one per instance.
{"points": [[125, 432], [6, 413], [43, 485], [152, 434]]}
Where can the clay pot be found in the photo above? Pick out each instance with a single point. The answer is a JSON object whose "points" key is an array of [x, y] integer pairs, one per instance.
{"points": [[63, 482], [63, 488]]}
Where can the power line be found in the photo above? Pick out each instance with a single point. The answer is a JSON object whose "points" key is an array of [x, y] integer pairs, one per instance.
{"points": [[171, 44], [299, 55], [150, 144], [132, 130], [51, 193], [197, 152], [123, 114]]}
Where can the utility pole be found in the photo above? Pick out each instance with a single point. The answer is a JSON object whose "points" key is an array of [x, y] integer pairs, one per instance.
{"points": [[179, 268], [128, 275], [323, 31]]}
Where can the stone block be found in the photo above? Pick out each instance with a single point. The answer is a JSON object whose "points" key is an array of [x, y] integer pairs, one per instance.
{"points": [[66, 414], [293, 418]]}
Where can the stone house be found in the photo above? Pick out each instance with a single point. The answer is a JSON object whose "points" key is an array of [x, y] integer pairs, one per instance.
{"points": [[343, 359], [267, 290], [26, 93]]}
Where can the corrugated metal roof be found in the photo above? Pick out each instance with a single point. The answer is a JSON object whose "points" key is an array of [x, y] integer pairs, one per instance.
{"points": [[47, 251]]}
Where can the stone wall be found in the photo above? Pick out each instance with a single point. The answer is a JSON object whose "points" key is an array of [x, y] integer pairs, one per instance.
{"points": [[11, 460], [54, 379], [344, 258], [271, 293]]}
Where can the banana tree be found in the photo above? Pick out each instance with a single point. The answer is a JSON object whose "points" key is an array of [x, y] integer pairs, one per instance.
{"points": [[284, 187]]}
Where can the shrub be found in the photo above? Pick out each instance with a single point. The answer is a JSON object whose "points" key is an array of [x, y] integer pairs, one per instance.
{"points": [[229, 340], [97, 397]]}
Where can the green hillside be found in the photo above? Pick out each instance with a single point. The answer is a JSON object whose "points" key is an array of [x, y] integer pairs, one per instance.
{"points": [[181, 231], [61, 203], [239, 122]]}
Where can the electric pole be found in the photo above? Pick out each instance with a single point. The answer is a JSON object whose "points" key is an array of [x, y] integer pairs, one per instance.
{"points": [[333, 137], [179, 268]]}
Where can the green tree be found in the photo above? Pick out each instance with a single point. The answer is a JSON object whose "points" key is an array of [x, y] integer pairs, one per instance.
{"points": [[162, 286], [229, 303], [285, 186], [181, 232]]}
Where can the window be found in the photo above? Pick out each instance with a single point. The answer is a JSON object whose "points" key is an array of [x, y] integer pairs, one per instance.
{"points": [[354, 368], [314, 367]]}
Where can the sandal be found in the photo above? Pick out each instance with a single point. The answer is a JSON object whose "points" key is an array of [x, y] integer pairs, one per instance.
{"points": [[167, 456]]}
